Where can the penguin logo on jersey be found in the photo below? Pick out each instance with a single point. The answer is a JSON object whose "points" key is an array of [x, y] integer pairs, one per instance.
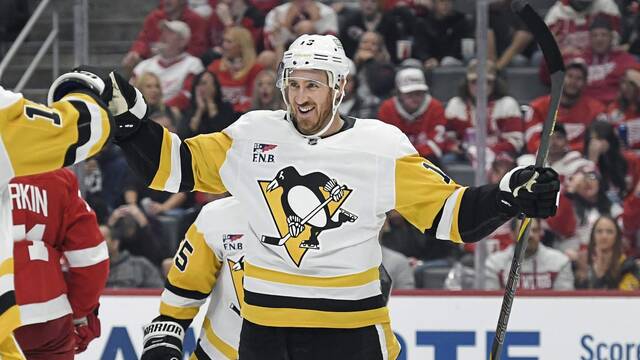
{"points": [[237, 272], [302, 207]]}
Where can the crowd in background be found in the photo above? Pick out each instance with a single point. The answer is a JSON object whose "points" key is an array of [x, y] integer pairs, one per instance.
{"points": [[201, 64]]}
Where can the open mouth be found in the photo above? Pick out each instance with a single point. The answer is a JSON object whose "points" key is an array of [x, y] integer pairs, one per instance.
{"points": [[305, 109]]}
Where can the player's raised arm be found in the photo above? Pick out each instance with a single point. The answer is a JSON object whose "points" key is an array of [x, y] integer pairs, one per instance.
{"points": [[158, 156], [36, 138], [434, 203]]}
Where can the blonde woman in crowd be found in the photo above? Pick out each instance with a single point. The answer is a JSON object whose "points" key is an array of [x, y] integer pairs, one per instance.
{"points": [[237, 69]]}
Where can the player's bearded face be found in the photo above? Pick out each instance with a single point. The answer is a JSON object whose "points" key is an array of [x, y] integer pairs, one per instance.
{"points": [[310, 99]]}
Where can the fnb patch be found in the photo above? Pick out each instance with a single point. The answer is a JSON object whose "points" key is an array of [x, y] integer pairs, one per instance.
{"points": [[230, 241], [261, 153]]}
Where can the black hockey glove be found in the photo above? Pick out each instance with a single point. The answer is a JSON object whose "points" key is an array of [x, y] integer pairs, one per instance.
{"points": [[127, 105], [162, 341], [77, 79], [531, 191]]}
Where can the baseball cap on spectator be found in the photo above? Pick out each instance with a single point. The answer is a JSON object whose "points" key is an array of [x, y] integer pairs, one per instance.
{"points": [[580, 64], [601, 22], [410, 80], [472, 70], [178, 27]]}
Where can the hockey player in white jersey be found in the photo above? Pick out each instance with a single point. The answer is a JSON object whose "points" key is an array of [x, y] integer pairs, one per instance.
{"points": [[208, 263], [316, 187], [35, 138]]}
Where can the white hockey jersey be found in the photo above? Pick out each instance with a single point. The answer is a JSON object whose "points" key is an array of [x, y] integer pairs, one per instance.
{"points": [[33, 139], [316, 207], [209, 261], [547, 269]]}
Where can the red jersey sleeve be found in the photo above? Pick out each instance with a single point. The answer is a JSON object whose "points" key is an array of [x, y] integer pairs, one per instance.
{"points": [[86, 253], [149, 33]]}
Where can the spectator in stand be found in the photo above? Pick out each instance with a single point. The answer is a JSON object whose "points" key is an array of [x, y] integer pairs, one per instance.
{"points": [[298, 17], [620, 173], [569, 21], [230, 13], [509, 40], [606, 63], [127, 270], [375, 71], [135, 233], [58, 309], [626, 109], [147, 41], [399, 268], [352, 104], [576, 111], [630, 10], [416, 113], [604, 265], [150, 86], [237, 69], [543, 268], [504, 118], [368, 16], [440, 34], [174, 67], [208, 112], [587, 194], [265, 93], [399, 34], [620, 169]]}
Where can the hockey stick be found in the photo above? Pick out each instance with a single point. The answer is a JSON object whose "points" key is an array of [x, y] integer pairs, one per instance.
{"points": [[553, 57], [272, 240]]}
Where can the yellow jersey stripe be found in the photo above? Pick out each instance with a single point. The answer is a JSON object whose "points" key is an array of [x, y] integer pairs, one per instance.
{"points": [[9, 320], [393, 346], [201, 267], [6, 267], [178, 312], [10, 350], [287, 317], [352, 280], [208, 154], [229, 351], [421, 190], [164, 169]]}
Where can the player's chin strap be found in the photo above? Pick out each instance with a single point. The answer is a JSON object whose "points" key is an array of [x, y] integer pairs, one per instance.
{"points": [[335, 105]]}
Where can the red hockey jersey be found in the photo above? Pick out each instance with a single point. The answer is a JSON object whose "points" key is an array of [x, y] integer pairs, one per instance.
{"points": [[236, 91], [52, 222], [504, 122], [575, 120], [425, 129]]}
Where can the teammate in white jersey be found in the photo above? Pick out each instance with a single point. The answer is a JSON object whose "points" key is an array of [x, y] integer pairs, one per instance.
{"points": [[316, 187], [208, 263], [35, 138]]}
